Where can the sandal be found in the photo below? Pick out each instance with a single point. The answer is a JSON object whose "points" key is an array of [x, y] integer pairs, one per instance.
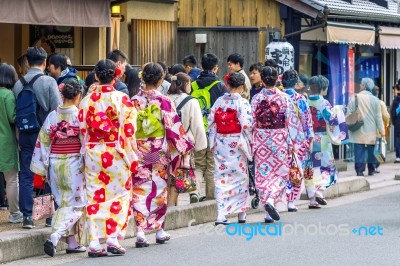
{"points": [[164, 239], [142, 243], [49, 248], [97, 253], [116, 250], [314, 206], [321, 201], [194, 198], [268, 221], [272, 212], [224, 222], [78, 249], [292, 209]]}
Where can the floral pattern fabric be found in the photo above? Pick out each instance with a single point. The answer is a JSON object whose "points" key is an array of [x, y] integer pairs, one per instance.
{"points": [[64, 173], [157, 157], [107, 122], [231, 152], [273, 147], [301, 125], [329, 126]]}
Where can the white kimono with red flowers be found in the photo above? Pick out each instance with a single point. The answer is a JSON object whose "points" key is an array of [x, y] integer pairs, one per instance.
{"points": [[107, 122], [57, 157], [230, 132]]}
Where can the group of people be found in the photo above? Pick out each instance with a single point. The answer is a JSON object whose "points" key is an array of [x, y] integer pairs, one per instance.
{"points": [[108, 148]]}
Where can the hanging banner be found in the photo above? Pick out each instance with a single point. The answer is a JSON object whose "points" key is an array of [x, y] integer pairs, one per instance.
{"points": [[338, 74], [351, 71], [282, 53]]}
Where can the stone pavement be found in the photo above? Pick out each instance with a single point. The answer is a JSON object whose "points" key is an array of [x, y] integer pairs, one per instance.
{"points": [[17, 243]]}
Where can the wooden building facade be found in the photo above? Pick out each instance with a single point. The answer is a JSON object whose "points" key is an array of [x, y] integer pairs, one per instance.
{"points": [[230, 26]]}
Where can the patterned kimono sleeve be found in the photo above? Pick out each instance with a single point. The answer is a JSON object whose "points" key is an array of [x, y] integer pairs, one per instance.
{"points": [[306, 118], [328, 115], [212, 126], [40, 157], [290, 116], [127, 141], [82, 124], [246, 121], [175, 133]]}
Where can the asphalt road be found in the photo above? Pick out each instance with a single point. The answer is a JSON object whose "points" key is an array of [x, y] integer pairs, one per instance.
{"points": [[359, 229]]}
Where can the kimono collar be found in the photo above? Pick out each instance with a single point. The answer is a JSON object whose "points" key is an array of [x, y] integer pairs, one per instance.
{"points": [[67, 110], [272, 91], [232, 96], [104, 88], [290, 91], [149, 93], [314, 97]]}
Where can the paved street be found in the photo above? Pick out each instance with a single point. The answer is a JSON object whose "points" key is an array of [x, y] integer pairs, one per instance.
{"points": [[201, 245]]}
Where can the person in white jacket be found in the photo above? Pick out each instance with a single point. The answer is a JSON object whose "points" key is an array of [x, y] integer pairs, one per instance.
{"points": [[188, 109]]}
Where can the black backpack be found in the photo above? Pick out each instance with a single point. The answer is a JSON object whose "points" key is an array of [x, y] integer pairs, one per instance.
{"points": [[27, 108], [180, 106]]}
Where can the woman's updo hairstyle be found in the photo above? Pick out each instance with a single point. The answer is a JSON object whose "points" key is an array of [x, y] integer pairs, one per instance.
{"points": [[178, 83], [71, 89], [235, 79], [105, 71], [269, 76], [290, 78], [152, 73]]}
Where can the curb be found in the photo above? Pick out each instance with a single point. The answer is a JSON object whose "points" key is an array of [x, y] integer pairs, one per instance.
{"points": [[18, 244], [344, 186]]}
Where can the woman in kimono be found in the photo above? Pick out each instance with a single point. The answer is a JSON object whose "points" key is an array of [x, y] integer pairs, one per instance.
{"points": [[230, 134], [57, 156], [303, 142], [107, 122], [160, 139], [329, 127], [273, 141]]}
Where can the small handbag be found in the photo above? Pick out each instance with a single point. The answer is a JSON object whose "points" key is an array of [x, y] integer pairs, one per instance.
{"points": [[183, 178], [354, 120], [308, 169], [380, 150], [296, 172], [43, 207]]}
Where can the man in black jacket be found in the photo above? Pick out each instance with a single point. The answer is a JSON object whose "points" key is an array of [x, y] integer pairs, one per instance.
{"points": [[204, 159]]}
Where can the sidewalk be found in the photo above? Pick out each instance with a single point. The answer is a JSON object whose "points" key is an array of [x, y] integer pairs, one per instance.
{"points": [[17, 243]]}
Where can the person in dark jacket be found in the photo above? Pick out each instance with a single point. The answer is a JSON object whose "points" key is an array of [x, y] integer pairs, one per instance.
{"points": [[204, 159], [190, 63], [59, 69], [395, 115]]}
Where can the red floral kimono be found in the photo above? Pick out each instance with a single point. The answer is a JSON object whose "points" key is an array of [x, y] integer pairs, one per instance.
{"points": [[107, 122]]}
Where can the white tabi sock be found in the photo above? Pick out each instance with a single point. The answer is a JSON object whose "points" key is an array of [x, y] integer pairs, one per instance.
{"points": [[242, 216], [271, 201], [319, 194], [95, 245], [221, 217], [313, 201], [112, 241], [291, 205], [141, 236], [161, 233], [72, 244], [54, 238], [268, 217]]}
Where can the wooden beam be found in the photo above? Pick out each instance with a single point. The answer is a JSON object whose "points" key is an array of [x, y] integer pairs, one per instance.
{"points": [[301, 7]]}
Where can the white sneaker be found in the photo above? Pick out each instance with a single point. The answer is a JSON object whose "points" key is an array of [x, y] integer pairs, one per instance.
{"points": [[15, 218]]}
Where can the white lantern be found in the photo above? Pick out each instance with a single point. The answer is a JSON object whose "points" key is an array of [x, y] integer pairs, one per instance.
{"points": [[282, 53]]}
